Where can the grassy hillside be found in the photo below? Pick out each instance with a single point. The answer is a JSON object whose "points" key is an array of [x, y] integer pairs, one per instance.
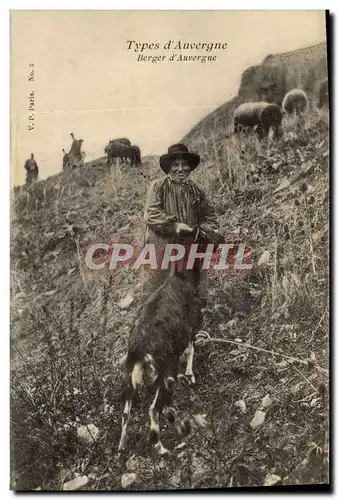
{"points": [[268, 347]]}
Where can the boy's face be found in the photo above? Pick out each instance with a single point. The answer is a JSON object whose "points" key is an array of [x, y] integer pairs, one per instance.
{"points": [[180, 169]]}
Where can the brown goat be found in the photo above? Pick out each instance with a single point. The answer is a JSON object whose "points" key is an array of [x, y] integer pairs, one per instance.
{"points": [[167, 325]]}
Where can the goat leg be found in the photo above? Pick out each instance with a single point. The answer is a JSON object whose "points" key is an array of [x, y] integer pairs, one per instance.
{"points": [[189, 366], [154, 436], [125, 419]]}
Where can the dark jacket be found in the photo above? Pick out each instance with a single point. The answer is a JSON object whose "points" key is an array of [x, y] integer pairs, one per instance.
{"points": [[168, 202]]}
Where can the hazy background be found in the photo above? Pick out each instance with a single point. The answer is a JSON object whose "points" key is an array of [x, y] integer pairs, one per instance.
{"points": [[87, 82]]}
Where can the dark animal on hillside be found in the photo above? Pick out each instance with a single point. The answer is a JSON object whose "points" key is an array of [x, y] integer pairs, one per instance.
{"points": [[122, 140], [136, 155], [116, 149], [166, 326], [126, 153], [113, 142], [295, 101], [323, 93], [260, 116], [32, 170], [75, 155]]}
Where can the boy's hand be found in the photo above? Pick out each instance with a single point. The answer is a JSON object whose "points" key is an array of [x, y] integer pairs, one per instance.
{"points": [[183, 228]]}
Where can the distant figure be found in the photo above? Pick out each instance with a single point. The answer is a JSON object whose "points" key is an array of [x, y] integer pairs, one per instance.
{"points": [[261, 116], [323, 93], [75, 155], [32, 171], [295, 101]]}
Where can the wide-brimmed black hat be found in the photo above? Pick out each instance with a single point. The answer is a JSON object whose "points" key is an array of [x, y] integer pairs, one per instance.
{"points": [[178, 151]]}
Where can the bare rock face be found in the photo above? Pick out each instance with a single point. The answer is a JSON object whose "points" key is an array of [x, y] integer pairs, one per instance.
{"points": [[128, 479], [76, 484], [264, 259], [258, 419], [271, 479], [266, 401], [241, 405], [126, 301], [88, 433]]}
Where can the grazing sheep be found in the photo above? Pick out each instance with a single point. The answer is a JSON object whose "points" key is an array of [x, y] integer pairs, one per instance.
{"points": [[259, 115], [166, 326], [122, 140], [116, 149], [113, 148], [295, 101], [323, 93], [136, 155]]}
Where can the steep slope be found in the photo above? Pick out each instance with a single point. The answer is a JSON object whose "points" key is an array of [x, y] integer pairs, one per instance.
{"points": [[268, 328], [268, 81]]}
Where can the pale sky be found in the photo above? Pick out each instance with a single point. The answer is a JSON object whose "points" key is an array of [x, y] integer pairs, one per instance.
{"points": [[89, 83]]}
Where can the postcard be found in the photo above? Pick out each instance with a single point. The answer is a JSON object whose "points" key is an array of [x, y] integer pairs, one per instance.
{"points": [[169, 250]]}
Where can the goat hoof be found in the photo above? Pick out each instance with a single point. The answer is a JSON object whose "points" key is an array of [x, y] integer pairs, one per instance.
{"points": [[182, 379], [170, 414], [161, 450], [164, 453], [190, 378], [169, 383], [185, 427]]}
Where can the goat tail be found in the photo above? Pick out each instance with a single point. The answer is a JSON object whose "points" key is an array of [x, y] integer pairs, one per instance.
{"points": [[144, 371]]}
